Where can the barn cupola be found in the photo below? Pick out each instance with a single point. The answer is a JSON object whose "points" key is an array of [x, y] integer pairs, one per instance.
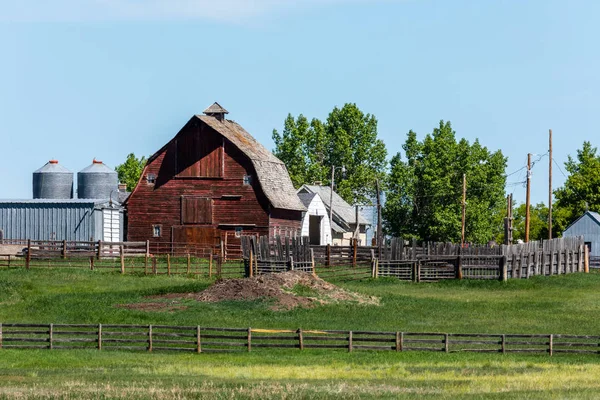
{"points": [[216, 111]]}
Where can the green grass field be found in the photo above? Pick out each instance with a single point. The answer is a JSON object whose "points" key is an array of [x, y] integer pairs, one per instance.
{"points": [[559, 304]]}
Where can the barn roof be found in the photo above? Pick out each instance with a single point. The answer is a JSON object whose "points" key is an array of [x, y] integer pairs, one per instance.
{"points": [[341, 208], [271, 172]]}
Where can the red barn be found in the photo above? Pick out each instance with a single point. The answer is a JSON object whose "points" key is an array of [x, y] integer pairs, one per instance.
{"points": [[213, 177]]}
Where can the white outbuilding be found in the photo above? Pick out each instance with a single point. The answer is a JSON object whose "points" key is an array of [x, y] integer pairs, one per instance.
{"points": [[315, 222]]}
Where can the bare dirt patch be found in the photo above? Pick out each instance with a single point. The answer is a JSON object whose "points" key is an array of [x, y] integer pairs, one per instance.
{"points": [[287, 290], [156, 307]]}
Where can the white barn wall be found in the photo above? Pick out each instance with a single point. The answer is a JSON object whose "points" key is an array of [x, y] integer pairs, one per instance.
{"points": [[317, 207]]}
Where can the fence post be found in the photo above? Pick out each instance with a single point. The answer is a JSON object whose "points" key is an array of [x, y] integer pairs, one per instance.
{"points": [[91, 263], [550, 344], [122, 255], [414, 271], [210, 262], [329, 255], [373, 273], [291, 263], [249, 339], [503, 269], [99, 336], [28, 257], [189, 263], [503, 343], [251, 264], [586, 259], [459, 272], [50, 336], [300, 339], [99, 249], [147, 248], [418, 271], [168, 264], [354, 251], [150, 338], [312, 262], [446, 343], [146, 264], [64, 249], [350, 342], [198, 340], [0, 335]]}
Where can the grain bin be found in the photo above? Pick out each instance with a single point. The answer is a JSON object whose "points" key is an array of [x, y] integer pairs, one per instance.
{"points": [[52, 181], [97, 182]]}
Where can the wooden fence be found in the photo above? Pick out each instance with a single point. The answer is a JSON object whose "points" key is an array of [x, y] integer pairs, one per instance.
{"points": [[199, 339]]}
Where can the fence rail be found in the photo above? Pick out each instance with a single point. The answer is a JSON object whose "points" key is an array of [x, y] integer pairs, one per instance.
{"points": [[200, 339]]}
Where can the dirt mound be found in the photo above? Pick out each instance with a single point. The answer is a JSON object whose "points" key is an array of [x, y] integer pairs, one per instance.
{"points": [[287, 290]]}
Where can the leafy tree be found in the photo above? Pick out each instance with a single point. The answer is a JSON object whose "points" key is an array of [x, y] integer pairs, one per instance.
{"points": [[347, 138], [538, 222], [129, 172], [424, 194], [581, 190]]}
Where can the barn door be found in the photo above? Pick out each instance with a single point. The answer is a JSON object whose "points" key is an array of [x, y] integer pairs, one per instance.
{"points": [[196, 236]]}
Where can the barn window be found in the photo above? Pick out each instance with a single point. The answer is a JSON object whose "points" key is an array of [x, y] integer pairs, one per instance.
{"points": [[156, 230], [151, 178], [238, 232], [248, 180], [196, 210]]}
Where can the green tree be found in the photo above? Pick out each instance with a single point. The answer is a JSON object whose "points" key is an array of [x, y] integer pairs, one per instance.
{"points": [[348, 138], [581, 190], [424, 194], [129, 172], [538, 223]]}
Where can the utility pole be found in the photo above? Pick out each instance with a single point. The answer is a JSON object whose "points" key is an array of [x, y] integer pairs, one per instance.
{"points": [[379, 234], [550, 187], [528, 202], [508, 221], [331, 203], [464, 210]]}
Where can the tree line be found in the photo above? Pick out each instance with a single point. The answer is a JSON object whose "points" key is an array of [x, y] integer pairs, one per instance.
{"points": [[422, 183]]}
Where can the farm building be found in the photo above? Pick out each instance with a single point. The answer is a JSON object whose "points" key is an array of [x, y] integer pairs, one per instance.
{"points": [[588, 226], [212, 181], [344, 221], [315, 223], [54, 215]]}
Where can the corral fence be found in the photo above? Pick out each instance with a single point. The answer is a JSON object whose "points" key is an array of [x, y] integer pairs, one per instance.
{"points": [[404, 260], [595, 262], [127, 257], [199, 339]]}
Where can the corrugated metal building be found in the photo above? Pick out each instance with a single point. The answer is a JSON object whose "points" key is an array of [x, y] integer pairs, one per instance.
{"points": [[55, 219], [588, 226]]}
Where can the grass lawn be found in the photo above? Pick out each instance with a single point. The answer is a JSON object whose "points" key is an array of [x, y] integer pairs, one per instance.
{"points": [[559, 304]]}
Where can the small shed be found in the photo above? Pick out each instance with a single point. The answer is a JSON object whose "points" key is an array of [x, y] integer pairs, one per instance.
{"points": [[588, 226], [315, 222]]}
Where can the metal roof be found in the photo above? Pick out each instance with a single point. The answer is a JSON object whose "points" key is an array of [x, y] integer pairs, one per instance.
{"points": [[593, 215], [341, 208], [52, 167], [97, 167], [54, 201]]}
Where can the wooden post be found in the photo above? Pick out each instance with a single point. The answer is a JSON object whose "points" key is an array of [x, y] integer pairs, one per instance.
{"points": [[291, 263], [64, 249], [251, 265], [328, 255], [398, 342], [168, 264], [418, 271], [50, 336], [350, 342], [503, 269], [373, 274], [150, 338], [446, 343], [198, 340], [300, 339], [154, 268], [99, 255], [400, 346], [122, 254], [147, 248], [550, 185], [99, 336], [464, 211], [0, 335], [146, 264], [91, 263], [249, 339], [28, 257], [354, 251], [580, 259], [528, 198], [550, 344], [189, 263], [415, 271], [586, 259], [459, 271], [503, 349], [210, 262], [379, 232], [312, 262]]}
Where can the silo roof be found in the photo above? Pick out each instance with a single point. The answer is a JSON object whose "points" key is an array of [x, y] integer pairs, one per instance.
{"points": [[97, 167], [53, 167]]}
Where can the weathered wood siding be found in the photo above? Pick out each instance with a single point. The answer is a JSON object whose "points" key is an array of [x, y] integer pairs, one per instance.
{"points": [[285, 223], [177, 199]]}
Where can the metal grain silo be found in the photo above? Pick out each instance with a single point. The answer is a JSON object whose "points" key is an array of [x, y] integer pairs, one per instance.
{"points": [[52, 181], [97, 182]]}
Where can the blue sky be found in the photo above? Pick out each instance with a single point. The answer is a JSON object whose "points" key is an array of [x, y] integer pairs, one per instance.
{"points": [[102, 78]]}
